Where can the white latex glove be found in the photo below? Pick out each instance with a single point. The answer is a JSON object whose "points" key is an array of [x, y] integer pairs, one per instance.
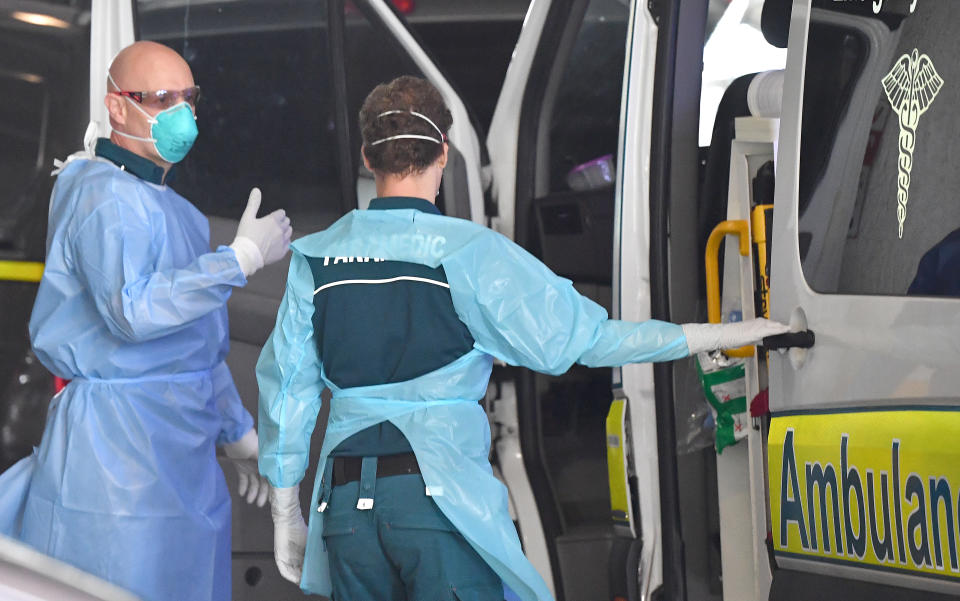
{"points": [[713, 336], [260, 241], [289, 531], [243, 453]]}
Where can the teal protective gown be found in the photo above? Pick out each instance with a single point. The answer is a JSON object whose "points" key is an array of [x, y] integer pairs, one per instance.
{"points": [[132, 310], [516, 310]]}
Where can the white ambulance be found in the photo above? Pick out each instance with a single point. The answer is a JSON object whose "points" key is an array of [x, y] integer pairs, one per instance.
{"points": [[829, 170]]}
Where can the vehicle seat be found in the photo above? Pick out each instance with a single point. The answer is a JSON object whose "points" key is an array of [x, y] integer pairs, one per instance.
{"points": [[737, 101]]}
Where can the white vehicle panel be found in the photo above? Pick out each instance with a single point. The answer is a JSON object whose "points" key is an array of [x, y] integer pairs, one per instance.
{"points": [[875, 353], [868, 348], [28, 575], [505, 126], [631, 276]]}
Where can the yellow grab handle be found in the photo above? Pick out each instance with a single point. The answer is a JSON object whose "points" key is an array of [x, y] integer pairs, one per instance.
{"points": [[20, 271], [741, 229]]}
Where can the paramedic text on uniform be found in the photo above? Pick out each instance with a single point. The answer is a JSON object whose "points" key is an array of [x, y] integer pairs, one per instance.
{"points": [[400, 311], [132, 310]]}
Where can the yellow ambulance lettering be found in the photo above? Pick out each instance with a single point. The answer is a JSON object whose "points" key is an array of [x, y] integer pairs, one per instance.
{"points": [[877, 489]]}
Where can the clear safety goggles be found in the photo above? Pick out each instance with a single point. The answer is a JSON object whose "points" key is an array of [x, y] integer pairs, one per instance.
{"points": [[164, 99]]}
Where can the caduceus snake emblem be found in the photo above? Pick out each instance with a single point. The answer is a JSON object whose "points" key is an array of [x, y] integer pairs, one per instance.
{"points": [[910, 86]]}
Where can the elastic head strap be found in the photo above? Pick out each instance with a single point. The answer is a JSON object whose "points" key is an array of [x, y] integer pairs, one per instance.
{"points": [[405, 136], [410, 136]]}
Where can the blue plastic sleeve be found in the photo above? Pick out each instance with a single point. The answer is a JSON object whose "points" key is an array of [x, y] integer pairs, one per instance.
{"points": [[521, 312], [289, 376], [116, 250]]}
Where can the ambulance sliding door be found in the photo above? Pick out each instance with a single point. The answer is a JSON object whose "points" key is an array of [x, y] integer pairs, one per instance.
{"points": [[567, 143], [864, 472]]}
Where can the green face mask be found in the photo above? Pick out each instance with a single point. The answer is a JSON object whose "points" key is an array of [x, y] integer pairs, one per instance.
{"points": [[172, 131]]}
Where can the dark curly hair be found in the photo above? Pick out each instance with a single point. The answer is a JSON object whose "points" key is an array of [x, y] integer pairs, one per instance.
{"points": [[404, 156]]}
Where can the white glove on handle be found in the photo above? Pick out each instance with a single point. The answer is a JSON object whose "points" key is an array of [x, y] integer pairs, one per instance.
{"points": [[243, 453], [289, 531], [260, 241], [713, 336]]}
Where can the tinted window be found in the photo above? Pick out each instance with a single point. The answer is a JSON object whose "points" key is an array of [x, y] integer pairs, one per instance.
{"points": [[21, 128], [266, 114], [585, 119], [881, 139], [43, 71], [44, 51]]}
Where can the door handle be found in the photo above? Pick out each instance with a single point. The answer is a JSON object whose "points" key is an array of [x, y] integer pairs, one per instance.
{"points": [[804, 339], [741, 229]]}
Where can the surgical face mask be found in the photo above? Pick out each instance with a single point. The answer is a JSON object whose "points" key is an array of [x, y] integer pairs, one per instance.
{"points": [[172, 130]]}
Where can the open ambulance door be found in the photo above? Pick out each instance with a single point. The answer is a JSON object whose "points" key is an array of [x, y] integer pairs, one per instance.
{"points": [[592, 148], [862, 456], [554, 147]]}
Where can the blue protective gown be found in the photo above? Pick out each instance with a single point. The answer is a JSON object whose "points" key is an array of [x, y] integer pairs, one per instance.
{"points": [[132, 310], [516, 310]]}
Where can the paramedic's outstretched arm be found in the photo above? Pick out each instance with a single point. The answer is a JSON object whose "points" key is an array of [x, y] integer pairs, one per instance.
{"points": [[520, 311], [712, 336], [288, 373]]}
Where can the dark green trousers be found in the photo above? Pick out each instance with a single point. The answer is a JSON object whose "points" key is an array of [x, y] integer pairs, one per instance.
{"points": [[402, 549]]}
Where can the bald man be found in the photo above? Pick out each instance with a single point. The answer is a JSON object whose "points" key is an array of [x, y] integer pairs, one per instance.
{"points": [[132, 310]]}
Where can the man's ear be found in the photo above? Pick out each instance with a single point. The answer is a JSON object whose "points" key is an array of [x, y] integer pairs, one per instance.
{"points": [[442, 160], [116, 108], [366, 161]]}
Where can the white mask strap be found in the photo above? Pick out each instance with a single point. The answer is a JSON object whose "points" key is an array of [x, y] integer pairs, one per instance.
{"points": [[409, 136], [150, 118], [132, 137]]}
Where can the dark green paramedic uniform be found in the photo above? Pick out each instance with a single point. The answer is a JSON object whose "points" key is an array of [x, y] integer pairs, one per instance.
{"points": [[379, 322]]}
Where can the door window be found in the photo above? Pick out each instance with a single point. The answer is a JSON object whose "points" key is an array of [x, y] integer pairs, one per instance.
{"points": [[880, 145], [266, 115], [22, 115], [734, 46], [44, 52], [43, 57], [584, 111]]}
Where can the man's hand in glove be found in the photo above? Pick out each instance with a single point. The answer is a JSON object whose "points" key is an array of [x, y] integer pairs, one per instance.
{"points": [[715, 336], [260, 241], [243, 453], [289, 531]]}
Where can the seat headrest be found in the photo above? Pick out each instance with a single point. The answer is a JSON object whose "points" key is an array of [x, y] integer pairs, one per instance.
{"points": [[775, 21], [765, 94]]}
